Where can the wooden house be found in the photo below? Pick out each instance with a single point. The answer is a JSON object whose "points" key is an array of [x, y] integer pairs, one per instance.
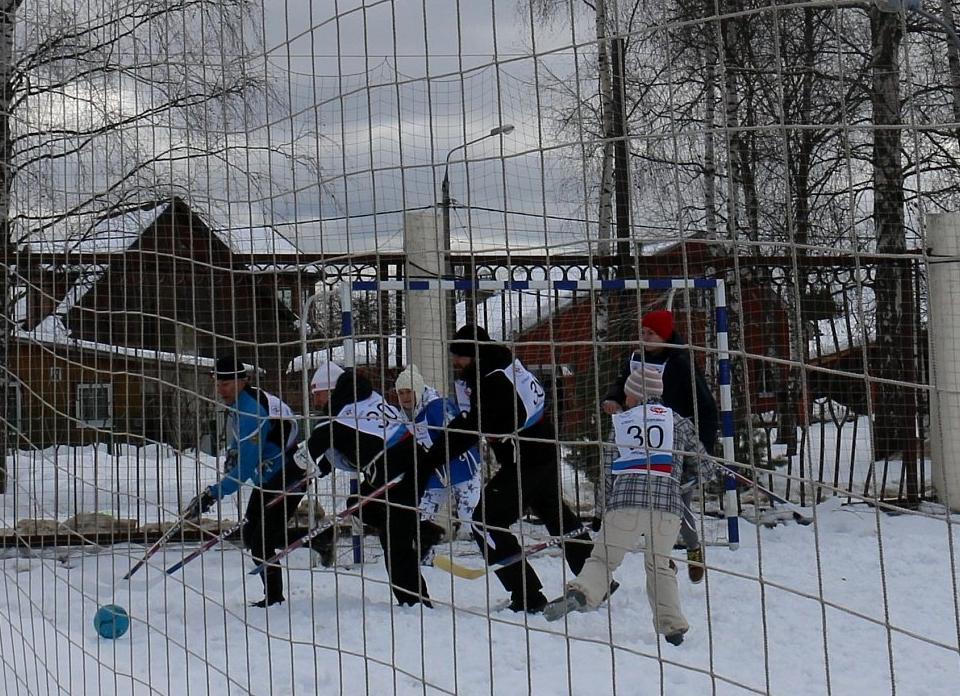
{"points": [[118, 328]]}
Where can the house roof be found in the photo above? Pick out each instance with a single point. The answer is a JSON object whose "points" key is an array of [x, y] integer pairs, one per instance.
{"points": [[51, 331], [109, 235]]}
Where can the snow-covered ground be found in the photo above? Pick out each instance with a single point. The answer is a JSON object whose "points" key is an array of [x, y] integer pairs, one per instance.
{"points": [[859, 603]]}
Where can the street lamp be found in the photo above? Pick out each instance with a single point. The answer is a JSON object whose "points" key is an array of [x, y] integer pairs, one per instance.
{"points": [[503, 129]]}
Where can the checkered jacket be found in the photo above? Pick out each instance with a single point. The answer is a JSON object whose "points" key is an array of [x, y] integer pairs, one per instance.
{"points": [[658, 492]]}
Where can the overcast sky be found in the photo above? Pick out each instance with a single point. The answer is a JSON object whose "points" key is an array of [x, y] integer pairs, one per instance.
{"points": [[392, 87]]}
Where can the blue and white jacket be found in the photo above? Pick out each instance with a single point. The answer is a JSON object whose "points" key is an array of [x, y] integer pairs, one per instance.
{"points": [[261, 430], [429, 420]]}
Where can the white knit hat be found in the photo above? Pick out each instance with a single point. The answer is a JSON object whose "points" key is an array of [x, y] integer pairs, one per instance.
{"points": [[645, 382], [325, 377], [411, 379]]}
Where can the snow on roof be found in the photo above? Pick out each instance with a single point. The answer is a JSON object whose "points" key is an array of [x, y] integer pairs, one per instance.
{"points": [[20, 304], [87, 279], [257, 240], [504, 315], [53, 332], [113, 234], [507, 313], [364, 353]]}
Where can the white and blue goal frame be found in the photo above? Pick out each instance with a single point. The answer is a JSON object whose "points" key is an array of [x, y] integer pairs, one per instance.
{"points": [[597, 285]]}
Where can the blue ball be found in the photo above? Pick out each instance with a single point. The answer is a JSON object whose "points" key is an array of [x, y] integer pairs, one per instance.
{"points": [[111, 621]]}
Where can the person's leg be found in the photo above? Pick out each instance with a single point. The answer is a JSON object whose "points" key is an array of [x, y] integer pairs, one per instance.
{"points": [[432, 500], [397, 519], [466, 495], [542, 494], [499, 507], [619, 533], [660, 529], [691, 539], [266, 529]]}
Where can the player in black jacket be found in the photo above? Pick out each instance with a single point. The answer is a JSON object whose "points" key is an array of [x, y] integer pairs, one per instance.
{"points": [[368, 435], [507, 407]]}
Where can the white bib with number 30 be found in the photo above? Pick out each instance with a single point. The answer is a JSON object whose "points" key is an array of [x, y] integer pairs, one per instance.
{"points": [[374, 416], [644, 439]]}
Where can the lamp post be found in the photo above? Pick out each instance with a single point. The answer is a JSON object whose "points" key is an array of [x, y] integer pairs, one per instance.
{"points": [[445, 204]]}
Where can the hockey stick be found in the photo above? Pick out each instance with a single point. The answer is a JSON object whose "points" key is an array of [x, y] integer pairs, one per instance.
{"points": [[446, 563], [210, 543], [177, 526], [318, 530], [798, 514]]}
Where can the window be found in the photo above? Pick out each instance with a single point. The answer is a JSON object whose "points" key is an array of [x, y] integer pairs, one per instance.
{"points": [[10, 404], [95, 405], [286, 296]]}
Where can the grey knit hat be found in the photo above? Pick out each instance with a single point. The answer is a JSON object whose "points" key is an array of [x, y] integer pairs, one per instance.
{"points": [[645, 382]]}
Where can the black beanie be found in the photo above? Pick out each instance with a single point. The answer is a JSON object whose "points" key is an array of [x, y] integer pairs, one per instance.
{"points": [[465, 341]]}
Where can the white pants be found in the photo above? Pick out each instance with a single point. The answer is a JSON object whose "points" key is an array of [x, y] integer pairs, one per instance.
{"points": [[621, 532], [463, 499]]}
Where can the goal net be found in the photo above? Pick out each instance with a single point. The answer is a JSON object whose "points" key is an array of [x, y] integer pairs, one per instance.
{"points": [[206, 202]]}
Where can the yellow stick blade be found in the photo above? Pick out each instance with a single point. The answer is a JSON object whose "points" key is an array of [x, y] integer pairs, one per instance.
{"points": [[447, 564]]}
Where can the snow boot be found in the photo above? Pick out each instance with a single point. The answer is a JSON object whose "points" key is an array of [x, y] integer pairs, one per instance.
{"points": [[572, 600], [325, 545], [532, 605], [674, 638], [430, 536], [264, 603], [695, 567]]}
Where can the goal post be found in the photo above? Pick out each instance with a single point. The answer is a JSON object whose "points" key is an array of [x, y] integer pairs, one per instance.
{"points": [[724, 374]]}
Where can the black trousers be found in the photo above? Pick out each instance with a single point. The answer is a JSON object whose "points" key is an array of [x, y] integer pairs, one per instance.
{"points": [[265, 531], [397, 520], [534, 484]]}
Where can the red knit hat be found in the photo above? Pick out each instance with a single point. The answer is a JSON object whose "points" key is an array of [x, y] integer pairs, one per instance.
{"points": [[660, 322]]}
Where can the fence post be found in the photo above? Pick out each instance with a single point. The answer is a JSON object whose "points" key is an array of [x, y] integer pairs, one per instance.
{"points": [[943, 273]]}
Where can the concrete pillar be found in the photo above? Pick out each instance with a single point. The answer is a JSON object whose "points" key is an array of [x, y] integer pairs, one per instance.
{"points": [[425, 309], [943, 275]]}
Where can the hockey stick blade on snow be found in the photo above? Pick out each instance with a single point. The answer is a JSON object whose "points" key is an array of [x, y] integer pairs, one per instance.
{"points": [[320, 529], [210, 543], [798, 514], [445, 563]]}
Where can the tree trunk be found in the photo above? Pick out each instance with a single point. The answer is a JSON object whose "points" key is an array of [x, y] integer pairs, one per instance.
{"points": [[953, 61], [606, 109], [893, 359], [799, 162], [709, 149], [7, 244]]}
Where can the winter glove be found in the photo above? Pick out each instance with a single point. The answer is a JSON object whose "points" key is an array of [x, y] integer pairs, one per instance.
{"points": [[313, 467], [595, 523], [199, 505], [304, 459], [230, 461]]}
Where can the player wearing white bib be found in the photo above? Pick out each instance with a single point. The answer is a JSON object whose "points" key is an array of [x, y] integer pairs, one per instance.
{"points": [[367, 435], [655, 449], [507, 406], [459, 480]]}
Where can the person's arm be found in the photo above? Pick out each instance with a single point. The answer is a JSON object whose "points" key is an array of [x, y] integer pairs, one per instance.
{"points": [[707, 414], [435, 417], [696, 460], [252, 429], [616, 393]]}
